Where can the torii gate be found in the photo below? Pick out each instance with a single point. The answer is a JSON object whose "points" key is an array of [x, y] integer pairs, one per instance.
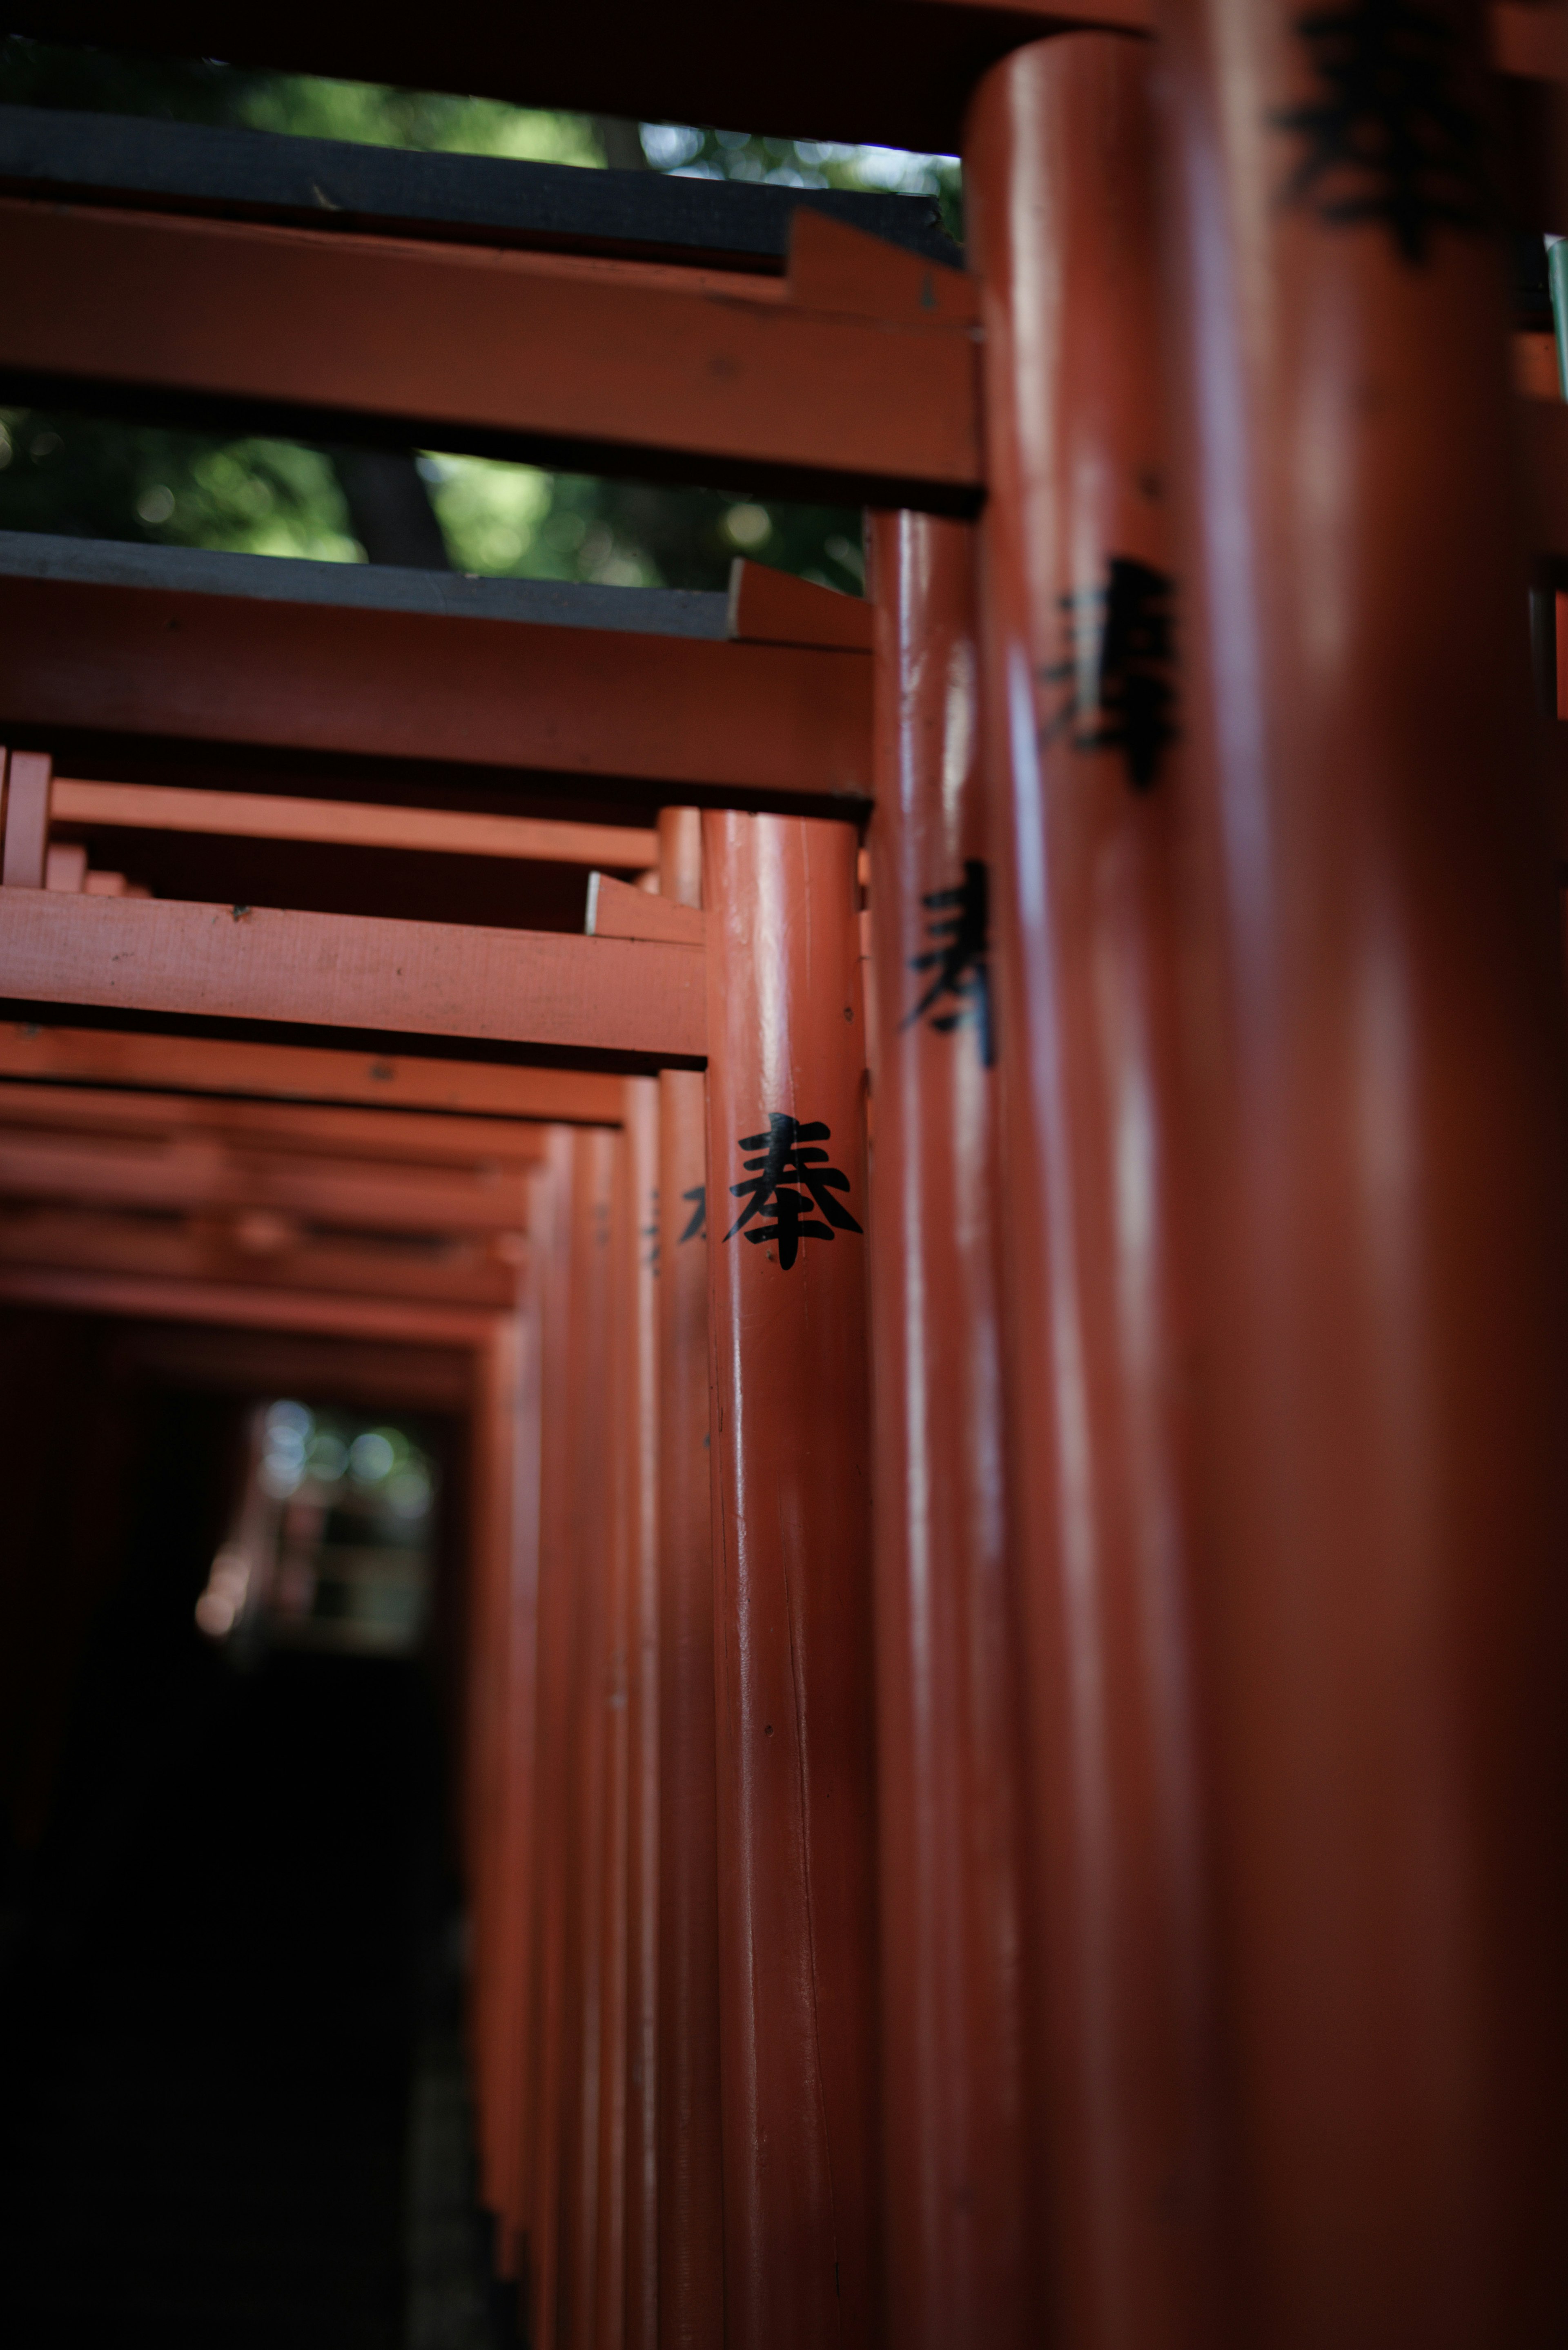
{"points": [[1112, 1883]]}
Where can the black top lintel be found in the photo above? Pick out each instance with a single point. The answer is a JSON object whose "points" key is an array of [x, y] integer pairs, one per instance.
{"points": [[132, 161]]}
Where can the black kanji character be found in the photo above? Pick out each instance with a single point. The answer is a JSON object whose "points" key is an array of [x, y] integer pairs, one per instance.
{"points": [[790, 1158], [697, 1230], [960, 958], [1388, 131], [650, 1232], [1120, 696]]}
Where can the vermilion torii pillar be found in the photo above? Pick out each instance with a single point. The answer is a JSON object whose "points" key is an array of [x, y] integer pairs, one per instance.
{"points": [[950, 1801], [1384, 1175], [560, 1227], [786, 1205], [691, 2181], [1082, 741], [640, 1374]]}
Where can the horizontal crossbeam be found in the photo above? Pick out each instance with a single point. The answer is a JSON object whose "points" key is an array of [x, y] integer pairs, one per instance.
{"points": [[600, 365], [258, 816], [330, 657], [344, 186], [198, 1177], [482, 1145], [354, 971], [304, 1073], [897, 73], [89, 1239], [390, 1321]]}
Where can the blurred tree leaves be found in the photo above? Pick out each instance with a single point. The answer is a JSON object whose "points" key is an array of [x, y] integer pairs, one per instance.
{"points": [[96, 477]]}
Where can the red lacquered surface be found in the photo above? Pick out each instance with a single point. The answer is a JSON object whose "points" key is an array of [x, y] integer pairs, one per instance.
{"points": [[564, 1227], [1076, 537], [1384, 1178], [640, 1377], [609, 1697], [590, 1562], [505, 1537], [690, 2185], [949, 1752], [793, 1593]]}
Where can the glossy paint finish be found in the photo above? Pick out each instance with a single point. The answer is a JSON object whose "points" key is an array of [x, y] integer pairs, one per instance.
{"points": [[639, 1374], [793, 1595], [691, 2181], [1060, 211], [1385, 1100], [948, 1688]]}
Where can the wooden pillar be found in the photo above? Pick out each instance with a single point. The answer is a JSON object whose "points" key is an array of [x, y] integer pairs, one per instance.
{"points": [[949, 1749], [550, 1225], [502, 1700], [597, 1739], [608, 1693], [1376, 938], [787, 1284], [29, 787], [691, 2184], [639, 1374], [1088, 778]]}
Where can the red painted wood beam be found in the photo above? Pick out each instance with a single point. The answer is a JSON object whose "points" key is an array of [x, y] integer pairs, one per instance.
{"points": [[237, 1250], [396, 1135], [145, 1298], [267, 815], [205, 1178], [303, 1072], [724, 377], [754, 720], [354, 971]]}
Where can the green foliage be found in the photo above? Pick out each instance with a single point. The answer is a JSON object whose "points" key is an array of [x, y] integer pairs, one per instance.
{"points": [[374, 116], [511, 520], [99, 477], [93, 477]]}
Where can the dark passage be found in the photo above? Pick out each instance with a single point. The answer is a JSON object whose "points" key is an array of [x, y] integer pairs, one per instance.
{"points": [[230, 1986]]}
